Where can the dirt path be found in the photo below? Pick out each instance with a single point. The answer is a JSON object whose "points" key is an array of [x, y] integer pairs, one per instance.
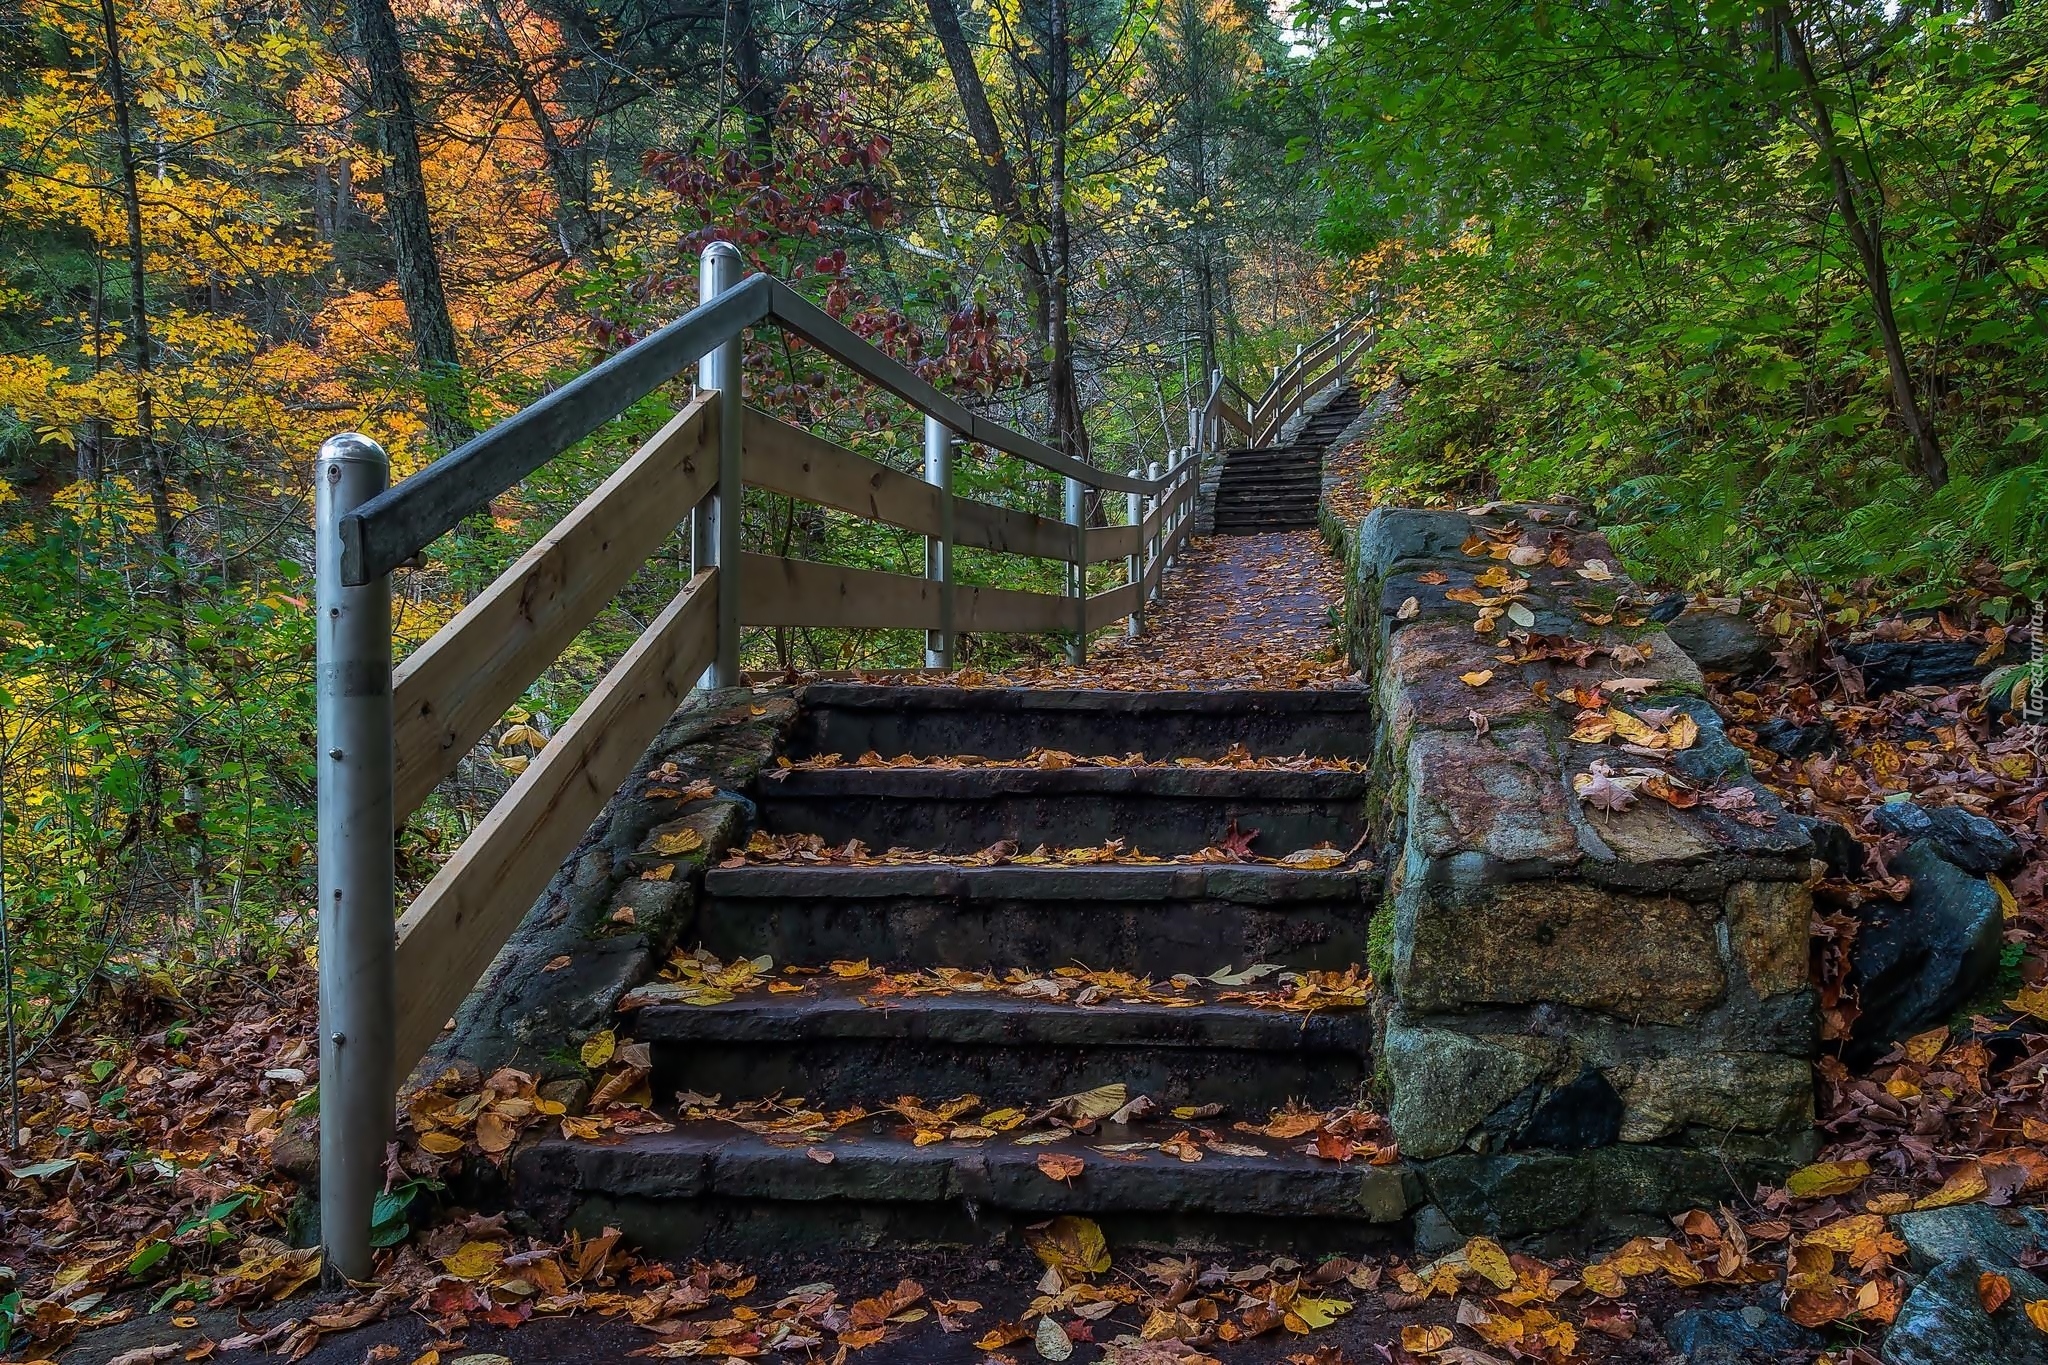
{"points": [[1257, 611]]}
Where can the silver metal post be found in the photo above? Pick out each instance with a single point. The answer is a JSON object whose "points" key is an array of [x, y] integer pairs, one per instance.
{"points": [[1194, 428], [1152, 541], [938, 550], [716, 525], [1134, 566], [357, 919], [1077, 572]]}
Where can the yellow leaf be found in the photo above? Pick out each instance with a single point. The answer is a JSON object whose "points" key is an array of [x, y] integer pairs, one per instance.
{"points": [[1487, 1257], [1421, 1340], [1070, 1243], [1827, 1177], [475, 1260], [2008, 906], [599, 1047], [1098, 1103], [1633, 729], [440, 1144], [683, 840], [1964, 1184], [1923, 1048], [1319, 1312], [2037, 1313], [1478, 678]]}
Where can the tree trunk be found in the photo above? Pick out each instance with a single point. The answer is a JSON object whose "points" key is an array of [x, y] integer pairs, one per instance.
{"points": [[575, 226], [1867, 238], [396, 122], [1062, 384], [156, 467], [998, 178], [755, 95]]}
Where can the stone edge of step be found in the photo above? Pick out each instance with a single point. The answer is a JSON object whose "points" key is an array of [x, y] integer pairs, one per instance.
{"points": [[993, 1018], [1165, 883], [927, 783], [702, 1160]]}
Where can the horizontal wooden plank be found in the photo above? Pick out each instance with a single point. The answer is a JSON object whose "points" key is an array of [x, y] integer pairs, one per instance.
{"points": [[397, 524], [791, 460], [1010, 611], [448, 937], [454, 687], [990, 527], [1106, 543], [812, 323], [799, 592], [1113, 605], [1233, 416]]}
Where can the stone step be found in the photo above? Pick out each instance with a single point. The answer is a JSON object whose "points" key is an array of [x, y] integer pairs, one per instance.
{"points": [[852, 718], [1267, 518], [1161, 811], [836, 1045], [1242, 476], [1153, 920], [711, 1188], [1281, 501], [1306, 481]]}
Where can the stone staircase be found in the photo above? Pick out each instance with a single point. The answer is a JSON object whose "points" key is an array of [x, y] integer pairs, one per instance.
{"points": [[1278, 488], [832, 1038]]}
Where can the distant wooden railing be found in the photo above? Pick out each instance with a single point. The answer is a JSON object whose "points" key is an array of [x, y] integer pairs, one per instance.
{"points": [[1315, 366], [388, 738]]}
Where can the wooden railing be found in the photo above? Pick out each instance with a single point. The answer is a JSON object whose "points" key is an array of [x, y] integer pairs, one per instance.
{"points": [[1315, 366], [388, 738]]}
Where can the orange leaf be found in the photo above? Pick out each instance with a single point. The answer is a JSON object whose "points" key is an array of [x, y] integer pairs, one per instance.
{"points": [[1060, 1165], [1993, 1289]]}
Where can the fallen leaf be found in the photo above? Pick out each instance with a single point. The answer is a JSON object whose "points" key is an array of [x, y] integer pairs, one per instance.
{"points": [[1060, 1165]]}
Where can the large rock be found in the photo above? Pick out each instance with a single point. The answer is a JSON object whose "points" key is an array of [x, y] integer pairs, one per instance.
{"points": [[1722, 642], [1889, 665], [1447, 1083], [1770, 928], [1737, 1336], [1943, 1321], [1917, 962], [1971, 842], [1752, 1092], [1834, 845], [1793, 739], [1997, 1237], [1650, 958]]}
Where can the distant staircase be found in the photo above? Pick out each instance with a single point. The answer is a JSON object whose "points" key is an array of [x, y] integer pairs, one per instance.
{"points": [[1278, 487]]}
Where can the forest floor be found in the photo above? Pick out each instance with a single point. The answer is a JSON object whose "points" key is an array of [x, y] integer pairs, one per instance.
{"points": [[146, 1219]]}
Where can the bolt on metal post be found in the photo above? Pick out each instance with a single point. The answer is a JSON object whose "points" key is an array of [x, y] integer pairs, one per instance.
{"points": [[938, 550], [716, 525], [357, 921]]}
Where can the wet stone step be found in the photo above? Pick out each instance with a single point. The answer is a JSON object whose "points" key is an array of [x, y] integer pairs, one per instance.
{"points": [[852, 718], [709, 1186], [1156, 920], [1161, 811], [837, 1045]]}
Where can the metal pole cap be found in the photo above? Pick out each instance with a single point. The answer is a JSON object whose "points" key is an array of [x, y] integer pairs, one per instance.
{"points": [[719, 267], [352, 447]]}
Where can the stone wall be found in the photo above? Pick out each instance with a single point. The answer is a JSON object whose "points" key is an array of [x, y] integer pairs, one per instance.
{"points": [[1587, 1014], [617, 906]]}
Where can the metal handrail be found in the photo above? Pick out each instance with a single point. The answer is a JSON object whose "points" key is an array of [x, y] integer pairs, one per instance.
{"points": [[394, 527]]}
